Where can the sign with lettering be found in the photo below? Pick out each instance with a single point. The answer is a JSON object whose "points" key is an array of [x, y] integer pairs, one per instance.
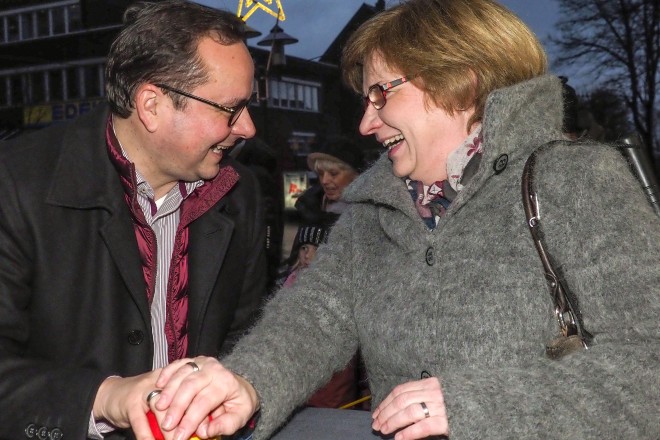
{"points": [[46, 114]]}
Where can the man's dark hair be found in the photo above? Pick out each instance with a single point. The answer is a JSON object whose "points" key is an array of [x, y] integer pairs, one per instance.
{"points": [[158, 44]]}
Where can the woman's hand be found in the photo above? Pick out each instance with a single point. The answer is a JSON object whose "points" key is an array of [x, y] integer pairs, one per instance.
{"points": [[193, 389], [416, 408]]}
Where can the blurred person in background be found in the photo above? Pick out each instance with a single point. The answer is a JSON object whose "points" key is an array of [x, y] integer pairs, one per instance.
{"points": [[337, 164], [307, 241]]}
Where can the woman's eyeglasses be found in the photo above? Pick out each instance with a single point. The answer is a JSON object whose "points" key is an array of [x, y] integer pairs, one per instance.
{"points": [[377, 94], [234, 112]]}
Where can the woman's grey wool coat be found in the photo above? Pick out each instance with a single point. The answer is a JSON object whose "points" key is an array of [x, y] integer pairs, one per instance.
{"points": [[468, 302]]}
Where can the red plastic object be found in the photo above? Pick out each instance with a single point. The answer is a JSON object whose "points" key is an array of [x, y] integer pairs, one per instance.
{"points": [[155, 429]]}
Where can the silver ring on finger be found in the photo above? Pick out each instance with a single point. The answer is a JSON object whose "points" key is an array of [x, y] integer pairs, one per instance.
{"points": [[425, 409], [194, 366], [152, 394]]}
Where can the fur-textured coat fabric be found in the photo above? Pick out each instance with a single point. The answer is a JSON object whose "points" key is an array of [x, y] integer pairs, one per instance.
{"points": [[468, 302]]}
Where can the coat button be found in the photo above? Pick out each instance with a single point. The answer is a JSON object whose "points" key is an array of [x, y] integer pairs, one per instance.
{"points": [[135, 337], [56, 434], [31, 430], [500, 163], [430, 257], [42, 433]]}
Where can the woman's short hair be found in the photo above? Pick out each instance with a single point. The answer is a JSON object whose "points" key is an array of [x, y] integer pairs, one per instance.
{"points": [[457, 51], [158, 44]]}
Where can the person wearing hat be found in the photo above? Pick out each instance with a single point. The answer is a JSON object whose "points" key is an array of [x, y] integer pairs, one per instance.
{"points": [[337, 164], [308, 239]]}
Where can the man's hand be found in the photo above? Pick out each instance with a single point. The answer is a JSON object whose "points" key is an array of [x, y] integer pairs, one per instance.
{"points": [[122, 402], [190, 395]]}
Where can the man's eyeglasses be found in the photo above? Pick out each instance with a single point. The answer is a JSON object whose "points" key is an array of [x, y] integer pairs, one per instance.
{"points": [[377, 94], [234, 112]]}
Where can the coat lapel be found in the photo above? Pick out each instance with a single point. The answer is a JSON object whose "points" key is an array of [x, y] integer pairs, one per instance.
{"points": [[84, 178], [119, 237], [210, 236]]}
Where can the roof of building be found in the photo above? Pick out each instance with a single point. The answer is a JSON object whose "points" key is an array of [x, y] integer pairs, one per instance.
{"points": [[365, 12]]}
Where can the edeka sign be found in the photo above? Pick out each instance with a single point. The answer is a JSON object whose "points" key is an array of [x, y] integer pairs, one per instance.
{"points": [[41, 115]]}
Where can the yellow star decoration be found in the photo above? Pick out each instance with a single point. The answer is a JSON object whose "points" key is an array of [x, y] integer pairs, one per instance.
{"points": [[253, 5]]}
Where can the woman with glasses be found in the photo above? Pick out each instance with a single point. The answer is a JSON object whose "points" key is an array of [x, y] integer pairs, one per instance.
{"points": [[432, 270]]}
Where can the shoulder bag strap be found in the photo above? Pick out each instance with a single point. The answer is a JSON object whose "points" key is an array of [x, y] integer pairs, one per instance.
{"points": [[573, 335]]}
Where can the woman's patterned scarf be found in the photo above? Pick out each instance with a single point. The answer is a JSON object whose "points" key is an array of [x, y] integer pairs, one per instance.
{"points": [[432, 201]]}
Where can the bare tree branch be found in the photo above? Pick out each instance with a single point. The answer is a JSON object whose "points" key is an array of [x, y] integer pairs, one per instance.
{"points": [[620, 41]]}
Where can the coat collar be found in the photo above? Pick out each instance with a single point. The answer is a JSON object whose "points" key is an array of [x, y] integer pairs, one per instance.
{"points": [[84, 176], [517, 119]]}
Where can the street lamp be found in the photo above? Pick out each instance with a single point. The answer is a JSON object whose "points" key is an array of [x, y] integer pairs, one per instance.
{"points": [[277, 39], [250, 32]]}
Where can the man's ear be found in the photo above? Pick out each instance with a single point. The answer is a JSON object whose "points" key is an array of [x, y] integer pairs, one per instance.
{"points": [[150, 106]]}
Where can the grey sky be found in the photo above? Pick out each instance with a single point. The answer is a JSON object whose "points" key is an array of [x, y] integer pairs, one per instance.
{"points": [[315, 23]]}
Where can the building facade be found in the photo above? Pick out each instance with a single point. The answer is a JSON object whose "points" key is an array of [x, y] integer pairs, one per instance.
{"points": [[52, 60]]}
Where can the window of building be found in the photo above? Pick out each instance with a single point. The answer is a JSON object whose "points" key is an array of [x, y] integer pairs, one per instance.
{"points": [[310, 99], [74, 17], [57, 84], [12, 28], [40, 21], [59, 18], [26, 26], [52, 83], [294, 94], [39, 87], [300, 95], [291, 95], [43, 22]]}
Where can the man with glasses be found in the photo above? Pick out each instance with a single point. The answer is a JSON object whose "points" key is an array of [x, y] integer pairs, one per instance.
{"points": [[128, 239]]}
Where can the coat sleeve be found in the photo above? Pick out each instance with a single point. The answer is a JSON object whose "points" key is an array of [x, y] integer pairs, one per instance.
{"points": [[305, 334], [603, 233], [37, 398]]}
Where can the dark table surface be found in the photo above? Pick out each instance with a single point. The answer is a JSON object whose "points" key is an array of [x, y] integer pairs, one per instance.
{"points": [[329, 424]]}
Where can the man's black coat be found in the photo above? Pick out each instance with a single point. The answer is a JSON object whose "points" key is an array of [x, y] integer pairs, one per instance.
{"points": [[73, 307]]}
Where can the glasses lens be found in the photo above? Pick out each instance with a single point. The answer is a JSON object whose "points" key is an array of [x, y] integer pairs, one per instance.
{"points": [[239, 109], [376, 96]]}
